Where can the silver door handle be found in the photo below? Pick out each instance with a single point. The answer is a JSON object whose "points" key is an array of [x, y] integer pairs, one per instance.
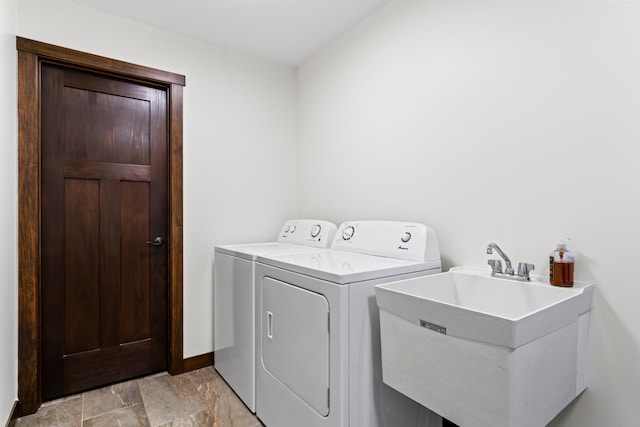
{"points": [[158, 241], [270, 325]]}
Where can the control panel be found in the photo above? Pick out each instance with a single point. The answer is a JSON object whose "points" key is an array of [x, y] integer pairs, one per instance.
{"points": [[403, 240], [309, 232]]}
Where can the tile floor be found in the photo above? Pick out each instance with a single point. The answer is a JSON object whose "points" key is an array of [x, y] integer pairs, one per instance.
{"points": [[193, 399]]}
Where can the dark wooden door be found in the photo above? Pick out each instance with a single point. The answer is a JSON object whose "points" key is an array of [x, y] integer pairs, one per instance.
{"points": [[104, 196]]}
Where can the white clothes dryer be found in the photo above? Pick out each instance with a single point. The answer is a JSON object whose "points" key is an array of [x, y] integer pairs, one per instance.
{"points": [[318, 335], [234, 301]]}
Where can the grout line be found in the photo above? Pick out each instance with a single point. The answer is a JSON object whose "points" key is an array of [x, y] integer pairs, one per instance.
{"points": [[156, 375], [114, 410], [60, 400]]}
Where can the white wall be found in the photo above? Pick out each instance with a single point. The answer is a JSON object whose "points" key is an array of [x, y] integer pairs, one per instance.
{"points": [[507, 121], [488, 120], [239, 137], [8, 224]]}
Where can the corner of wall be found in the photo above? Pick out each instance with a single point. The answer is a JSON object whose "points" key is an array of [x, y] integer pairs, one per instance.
{"points": [[8, 215]]}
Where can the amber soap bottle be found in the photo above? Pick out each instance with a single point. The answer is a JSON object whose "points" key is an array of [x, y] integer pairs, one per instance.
{"points": [[561, 265]]}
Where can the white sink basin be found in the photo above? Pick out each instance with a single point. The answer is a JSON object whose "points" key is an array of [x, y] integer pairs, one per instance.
{"points": [[472, 304], [485, 351]]}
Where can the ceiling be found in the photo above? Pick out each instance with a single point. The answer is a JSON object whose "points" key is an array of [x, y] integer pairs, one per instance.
{"points": [[286, 31]]}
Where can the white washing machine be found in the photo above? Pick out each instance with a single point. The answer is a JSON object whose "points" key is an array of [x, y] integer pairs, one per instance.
{"points": [[318, 335], [234, 301]]}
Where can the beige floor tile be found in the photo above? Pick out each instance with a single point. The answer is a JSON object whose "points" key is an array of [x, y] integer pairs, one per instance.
{"points": [[132, 416], [195, 399], [107, 399], [201, 419], [168, 398], [64, 413]]}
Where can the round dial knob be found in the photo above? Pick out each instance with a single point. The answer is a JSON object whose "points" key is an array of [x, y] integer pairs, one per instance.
{"points": [[287, 228], [406, 237], [315, 231], [293, 228], [348, 232]]}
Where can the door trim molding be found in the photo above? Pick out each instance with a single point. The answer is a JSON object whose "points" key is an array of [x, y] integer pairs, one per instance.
{"points": [[30, 55]]}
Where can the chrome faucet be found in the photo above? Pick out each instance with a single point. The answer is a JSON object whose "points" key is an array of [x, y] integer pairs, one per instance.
{"points": [[507, 261], [496, 265]]}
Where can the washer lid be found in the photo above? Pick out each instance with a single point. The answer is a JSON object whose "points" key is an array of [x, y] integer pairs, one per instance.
{"points": [[345, 267], [252, 251]]}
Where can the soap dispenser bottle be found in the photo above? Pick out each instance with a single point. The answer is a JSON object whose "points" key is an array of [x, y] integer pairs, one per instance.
{"points": [[561, 265]]}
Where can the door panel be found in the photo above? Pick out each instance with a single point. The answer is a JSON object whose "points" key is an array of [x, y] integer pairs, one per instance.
{"points": [[104, 195], [82, 265], [295, 340], [135, 283], [122, 139]]}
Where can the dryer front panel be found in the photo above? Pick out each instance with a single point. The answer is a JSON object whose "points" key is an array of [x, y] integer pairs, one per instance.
{"points": [[295, 341]]}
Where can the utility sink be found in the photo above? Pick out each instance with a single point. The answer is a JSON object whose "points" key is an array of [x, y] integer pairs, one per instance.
{"points": [[485, 351], [471, 304]]}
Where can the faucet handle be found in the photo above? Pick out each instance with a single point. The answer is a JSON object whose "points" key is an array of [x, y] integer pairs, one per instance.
{"points": [[524, 269], [496, 266]]}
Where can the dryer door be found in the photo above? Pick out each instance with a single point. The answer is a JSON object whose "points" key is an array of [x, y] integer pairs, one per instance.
{"points": [[295, 341]]}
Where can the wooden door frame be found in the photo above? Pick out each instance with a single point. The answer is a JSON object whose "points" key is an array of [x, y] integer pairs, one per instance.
{"points": [[30, 56]]}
